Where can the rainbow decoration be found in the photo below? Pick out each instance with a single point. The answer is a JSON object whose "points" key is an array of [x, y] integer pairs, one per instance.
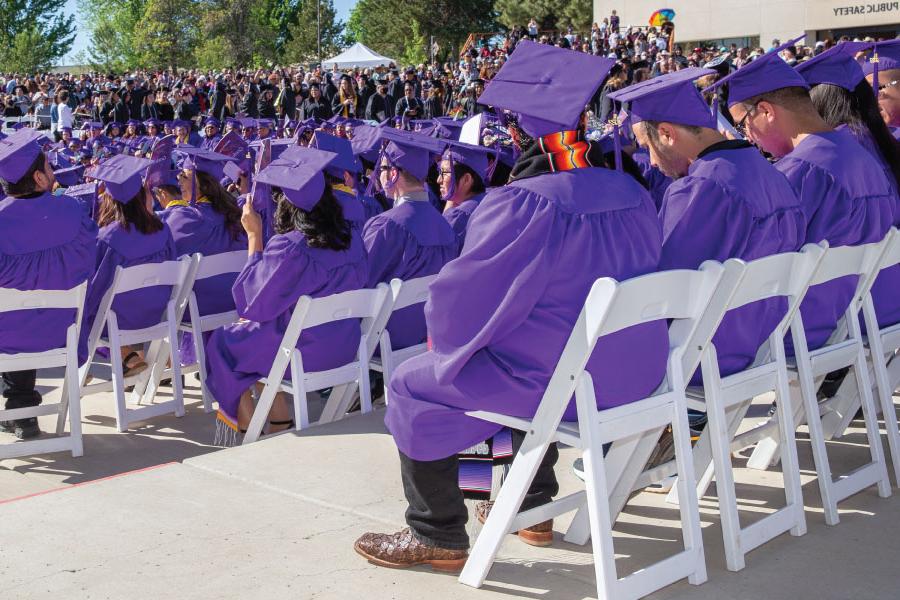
{"points": [[662, 16]]}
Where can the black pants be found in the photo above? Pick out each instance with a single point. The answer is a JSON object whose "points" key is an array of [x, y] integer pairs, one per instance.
{"points": [[18, 389], [437, 514]]}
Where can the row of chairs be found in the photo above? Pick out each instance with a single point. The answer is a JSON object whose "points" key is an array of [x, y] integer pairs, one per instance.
{"points": [[373, 307], [694, 302]]}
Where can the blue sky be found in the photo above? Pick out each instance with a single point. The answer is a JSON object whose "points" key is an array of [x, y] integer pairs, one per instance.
{"points": [[82, 40]]}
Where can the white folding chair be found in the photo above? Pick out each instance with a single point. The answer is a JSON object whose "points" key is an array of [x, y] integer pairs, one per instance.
{"points": [[808, 368], [695, 301], [727, 399], [62, 356], [162, 336], [365, 305], [208, 267], [404, 294]]}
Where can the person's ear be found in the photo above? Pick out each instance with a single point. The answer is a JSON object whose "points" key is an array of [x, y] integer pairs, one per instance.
{"points": [[767, 109], [666, 133]]}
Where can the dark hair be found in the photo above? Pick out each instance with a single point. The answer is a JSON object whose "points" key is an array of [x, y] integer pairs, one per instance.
{"points": [[859, 110], [134, 212], [460, 169], [222, 202], [324, 226], [652, 129], [787, 97], [26, 185]]}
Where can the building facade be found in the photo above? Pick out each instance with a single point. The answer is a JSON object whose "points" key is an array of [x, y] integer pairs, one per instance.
{"points": [[745, 21]]}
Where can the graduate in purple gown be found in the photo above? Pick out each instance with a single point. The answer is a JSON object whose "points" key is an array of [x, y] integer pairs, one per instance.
{"points": [[462, 176], [211, 136], [411, 239], [844, 199], [727, 201], [343, 175], [130, 234], [499, 315], [846, 101], [47, 242], [315, 252], [204, 219]]}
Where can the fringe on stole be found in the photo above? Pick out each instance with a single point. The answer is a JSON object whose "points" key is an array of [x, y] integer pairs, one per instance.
{"points": [[227, 433]]}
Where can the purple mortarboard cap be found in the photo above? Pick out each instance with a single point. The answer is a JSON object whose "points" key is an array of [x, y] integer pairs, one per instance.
{"points": [[408, 157], [123, 176], [159, 173], [232, 122], [673, 98], [299, 175], [152, 123], [345, 160], [547, 86], [365, 142], [19, 125], [211, 121], [836, 66], [17, 153], [267, 123], [69, 176], [885, 57], [93, 125], [181, 123], [248, 123], [767, 73], [134, 122], [474, 157], [211, 163], [232, 171]]}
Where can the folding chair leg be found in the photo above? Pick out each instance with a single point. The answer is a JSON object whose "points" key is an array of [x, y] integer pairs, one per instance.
{"points": [[74, 402], [301, 405], [688, 507], [598, 510], [579, 531], [200, 353], [869, 415], [365, 385], [177, 391], [63, 412], [790, 463], [261, 412], [885, 397]]}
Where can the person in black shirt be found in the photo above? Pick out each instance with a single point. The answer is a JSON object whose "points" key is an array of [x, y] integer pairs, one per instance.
{"points": [[266, 103], [315, 107], [434, 103], [380, 106], [409, 107], [161, 109]]}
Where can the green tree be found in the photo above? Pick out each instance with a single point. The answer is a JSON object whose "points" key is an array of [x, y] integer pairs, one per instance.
{"points": [[113, 24], [300, 44], [167, 34], [40, 23], [550, 14]]}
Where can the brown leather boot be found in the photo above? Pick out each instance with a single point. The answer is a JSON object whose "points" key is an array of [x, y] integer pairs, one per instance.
{"points": [[403, 550], [540, 535]]}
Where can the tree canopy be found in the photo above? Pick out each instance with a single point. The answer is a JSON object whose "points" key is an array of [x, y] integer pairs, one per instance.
{"points": [[34, 34]]}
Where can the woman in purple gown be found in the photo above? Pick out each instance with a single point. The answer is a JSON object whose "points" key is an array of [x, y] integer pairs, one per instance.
{"points": [[462, 176], [130, 234], [315, 252]]}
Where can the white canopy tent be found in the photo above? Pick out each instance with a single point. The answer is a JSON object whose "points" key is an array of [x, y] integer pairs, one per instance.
{"points": [[357, 55]]}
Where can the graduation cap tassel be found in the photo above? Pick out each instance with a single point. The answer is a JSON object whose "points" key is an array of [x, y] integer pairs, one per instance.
{"points": [[376, 173], [617, 142], [493, 166], [874, 61]]}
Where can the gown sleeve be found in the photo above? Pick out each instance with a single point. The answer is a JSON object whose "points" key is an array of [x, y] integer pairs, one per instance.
{"points": [[508, 258], [273, 280], [701, 221]]}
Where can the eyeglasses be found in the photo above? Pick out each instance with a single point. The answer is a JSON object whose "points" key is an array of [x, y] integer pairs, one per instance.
{"points": [[881, 88], [443, 173], [741, 125]]}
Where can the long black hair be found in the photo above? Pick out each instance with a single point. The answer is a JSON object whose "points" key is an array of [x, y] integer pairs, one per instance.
{"points": [[859, 110], [222, 202], [324, 226]]}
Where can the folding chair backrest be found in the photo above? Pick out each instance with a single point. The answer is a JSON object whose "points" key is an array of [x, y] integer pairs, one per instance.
{"points": [[682, 295], [220, 264], [150, 275], [862, 260], [17, 300], [410, 292], [785, 275]]}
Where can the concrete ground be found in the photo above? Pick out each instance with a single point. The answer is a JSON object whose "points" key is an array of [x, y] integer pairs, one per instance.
{"points": [[159, 513]]}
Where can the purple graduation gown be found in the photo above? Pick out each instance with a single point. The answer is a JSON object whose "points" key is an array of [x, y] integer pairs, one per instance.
{"points": [[732, 204], [884, 292], [846, 202], [409, 241], [459, 216], [46, 243], [499, 315], [200, 228], [353, 209], [265, 293], [656, 179], [136, 309], [210, 143]]}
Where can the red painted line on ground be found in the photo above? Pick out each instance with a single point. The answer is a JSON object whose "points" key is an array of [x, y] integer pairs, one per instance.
{"points": [[76, 485]]}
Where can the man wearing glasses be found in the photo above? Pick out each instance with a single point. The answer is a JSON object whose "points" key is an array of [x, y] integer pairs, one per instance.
{"points": [[888, 91], [845, 199]]}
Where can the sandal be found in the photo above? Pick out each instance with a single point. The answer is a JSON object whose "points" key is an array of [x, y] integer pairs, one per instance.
{"points": [[134, 369]]}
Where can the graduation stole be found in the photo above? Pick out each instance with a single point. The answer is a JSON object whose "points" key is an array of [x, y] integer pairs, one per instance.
{"points": [[561, 151]]}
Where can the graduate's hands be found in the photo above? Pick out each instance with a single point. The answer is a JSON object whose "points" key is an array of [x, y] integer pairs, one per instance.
{"points": [[252, 223]]}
